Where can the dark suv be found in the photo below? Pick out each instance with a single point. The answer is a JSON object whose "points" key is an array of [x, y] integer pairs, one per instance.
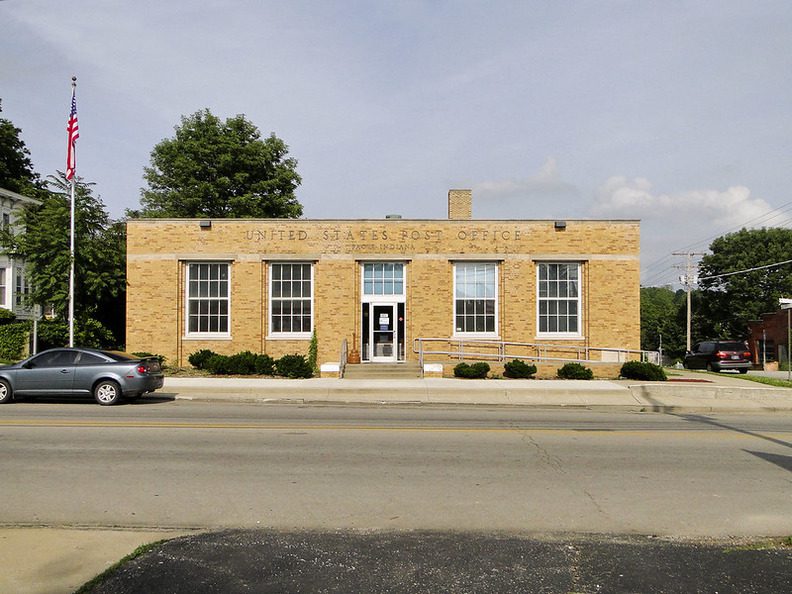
{"points": [[717, 355]]}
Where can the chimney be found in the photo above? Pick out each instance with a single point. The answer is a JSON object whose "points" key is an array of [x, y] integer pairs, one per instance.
{"points": [[460, 205]]}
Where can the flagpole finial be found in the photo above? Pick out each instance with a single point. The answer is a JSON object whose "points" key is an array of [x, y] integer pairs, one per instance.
{"points": [[74, 80]]}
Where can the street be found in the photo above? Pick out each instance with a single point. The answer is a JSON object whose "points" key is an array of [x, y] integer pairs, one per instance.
{"points": [[177, 464]]}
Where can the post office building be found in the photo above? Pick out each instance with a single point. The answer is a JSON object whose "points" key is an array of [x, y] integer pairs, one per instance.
{"points": [[394, 289]]}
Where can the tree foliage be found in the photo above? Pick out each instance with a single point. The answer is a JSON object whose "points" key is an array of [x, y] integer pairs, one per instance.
{"points": [[664, 312], [730, 302], [41, 237], [16, 168], [213, 168]]}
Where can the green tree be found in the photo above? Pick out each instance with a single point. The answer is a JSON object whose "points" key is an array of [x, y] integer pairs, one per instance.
{"points": [[728, 303], [16, 168], [212, 168], [41, 237], [663, 311]]}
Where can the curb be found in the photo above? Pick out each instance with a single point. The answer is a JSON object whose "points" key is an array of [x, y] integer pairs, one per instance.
{"points": [[547, 394]]}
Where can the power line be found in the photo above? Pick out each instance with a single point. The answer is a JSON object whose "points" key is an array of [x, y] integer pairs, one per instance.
{"points": [[777, 264], [649, 270]]}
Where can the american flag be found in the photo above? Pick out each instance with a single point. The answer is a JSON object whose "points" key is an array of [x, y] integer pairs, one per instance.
{"points": [[74, 133]]}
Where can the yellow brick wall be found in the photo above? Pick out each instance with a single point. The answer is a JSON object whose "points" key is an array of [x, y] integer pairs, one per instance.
{"points": [[460, 204], [157, 251]]}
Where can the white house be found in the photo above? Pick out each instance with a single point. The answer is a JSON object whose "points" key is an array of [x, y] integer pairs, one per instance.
{"points": [[13, 284]]}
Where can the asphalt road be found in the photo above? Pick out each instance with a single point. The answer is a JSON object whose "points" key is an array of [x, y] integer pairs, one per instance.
{"points": [[168, 464]]}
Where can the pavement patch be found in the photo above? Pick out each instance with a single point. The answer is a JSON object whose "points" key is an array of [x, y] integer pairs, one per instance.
{"points": [[234, 561]]}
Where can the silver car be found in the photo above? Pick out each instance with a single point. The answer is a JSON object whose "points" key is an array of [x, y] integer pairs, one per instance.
{"points": [[107, 375]]}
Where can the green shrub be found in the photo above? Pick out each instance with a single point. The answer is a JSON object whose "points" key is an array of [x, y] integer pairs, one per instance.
{"points": [[218, 365], [13, 340], [519, 369], [265, 365], [476, 371], [243, 363], [293, 366], [575, 371], [6, 316], [639, 370], [198, 359], [313, 352]]}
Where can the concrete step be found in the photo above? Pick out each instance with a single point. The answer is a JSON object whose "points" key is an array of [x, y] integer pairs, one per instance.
{"points": [[383, 371]]}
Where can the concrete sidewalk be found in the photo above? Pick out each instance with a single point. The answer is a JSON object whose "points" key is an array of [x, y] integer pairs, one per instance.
{"points": [[686, 391]]}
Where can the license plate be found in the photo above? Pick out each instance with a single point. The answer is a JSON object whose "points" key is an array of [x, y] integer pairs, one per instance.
{"points": [[735, 357]]}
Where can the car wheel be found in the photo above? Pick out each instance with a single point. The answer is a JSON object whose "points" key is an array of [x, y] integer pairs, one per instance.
{"points": [[711, 368], [107, 392], [6, 393], [743, 371]]}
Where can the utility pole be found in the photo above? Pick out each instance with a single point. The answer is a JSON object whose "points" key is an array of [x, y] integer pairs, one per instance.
{"points": [[688, 280]]}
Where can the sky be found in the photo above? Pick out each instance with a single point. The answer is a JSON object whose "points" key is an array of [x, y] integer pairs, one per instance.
{"points": [[677, 113]]}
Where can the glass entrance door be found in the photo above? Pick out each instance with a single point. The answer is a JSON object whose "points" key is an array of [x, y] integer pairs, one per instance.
{"points": [[383, 333]]}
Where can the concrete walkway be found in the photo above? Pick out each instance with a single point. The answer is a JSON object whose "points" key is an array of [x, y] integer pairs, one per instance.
{"points": [[54, 560], [686, 391]]}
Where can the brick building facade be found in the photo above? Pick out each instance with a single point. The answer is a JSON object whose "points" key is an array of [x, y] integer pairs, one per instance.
{"points": [[231, 285]]}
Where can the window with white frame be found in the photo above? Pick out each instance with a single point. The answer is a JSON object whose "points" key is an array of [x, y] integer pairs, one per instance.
{"points": [[558, 285], [3, 288], [208, 298], [383, 278], [475, 298], [291, 298], [22, 288]]}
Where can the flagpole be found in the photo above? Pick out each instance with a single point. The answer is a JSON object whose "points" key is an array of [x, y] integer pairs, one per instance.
{"points": [[71, 240]]}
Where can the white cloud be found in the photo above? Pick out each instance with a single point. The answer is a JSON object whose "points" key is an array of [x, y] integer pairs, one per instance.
{"points": [[679, 222], [709, 209]]}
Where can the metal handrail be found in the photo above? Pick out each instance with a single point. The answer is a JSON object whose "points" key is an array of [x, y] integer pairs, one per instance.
{"points": [[500, 350], [343, 358]]}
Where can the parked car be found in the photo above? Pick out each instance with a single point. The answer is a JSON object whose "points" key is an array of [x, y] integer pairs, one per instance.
{"points": [[107, 375], [717, 355]]}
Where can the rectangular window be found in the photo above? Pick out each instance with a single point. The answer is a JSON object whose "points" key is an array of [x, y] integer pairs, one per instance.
{"points": [[208, 298], [559, 298], [291, 299], [475, 298], [383, 278], [3, 285], [22, 289]]}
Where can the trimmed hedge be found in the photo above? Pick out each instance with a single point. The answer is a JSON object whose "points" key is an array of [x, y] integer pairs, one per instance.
{"points": [[13, 340], [476, 371], [638, 370], [519, 369], [575, 371], [198, 359], [293, 366], [6, 316], [249, 363]]}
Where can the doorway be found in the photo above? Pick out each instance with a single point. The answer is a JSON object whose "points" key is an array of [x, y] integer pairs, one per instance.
{"points": [[383, 332]]}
